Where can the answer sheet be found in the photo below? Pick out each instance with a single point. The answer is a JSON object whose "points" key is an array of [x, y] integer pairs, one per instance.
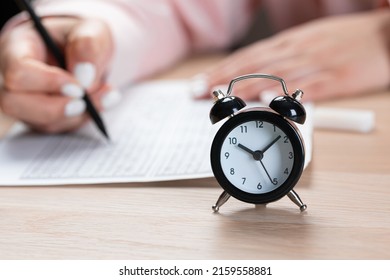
{"points": [[158, 133]]}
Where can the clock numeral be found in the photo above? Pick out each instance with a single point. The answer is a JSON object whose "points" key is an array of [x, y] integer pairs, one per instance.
{"points": [[231, 171], [259, 124], [285, 139], [259, 186], [275, 181], [243, 180], [244, 129], [232, 140], [290, 155], [274, 128], [227, 155], [286, 171]]}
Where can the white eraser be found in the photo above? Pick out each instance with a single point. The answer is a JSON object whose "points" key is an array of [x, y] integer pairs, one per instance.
{"points": [[362, 121]]}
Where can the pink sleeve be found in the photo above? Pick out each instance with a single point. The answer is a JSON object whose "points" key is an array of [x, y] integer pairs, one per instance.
{"points": [[151, 35]]}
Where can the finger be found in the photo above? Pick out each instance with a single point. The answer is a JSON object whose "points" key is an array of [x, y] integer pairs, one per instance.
{"points": [[23, 66], [20, 42], [40, 109], [289, 70], [322, 86], [67, 125], [250, 60], [106, 98], [247, 61], [35, 76], [315, 87], [88, 51]]}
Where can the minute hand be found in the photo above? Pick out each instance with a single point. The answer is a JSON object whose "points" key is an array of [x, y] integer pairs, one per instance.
{"points": [[270, 144]]}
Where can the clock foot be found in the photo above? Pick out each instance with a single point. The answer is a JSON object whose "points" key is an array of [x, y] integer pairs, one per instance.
{"points": [[297, 200], [261, 205], [221, 201]]}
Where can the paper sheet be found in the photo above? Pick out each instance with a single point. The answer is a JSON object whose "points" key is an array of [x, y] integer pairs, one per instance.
{"points": [[158, 133]]}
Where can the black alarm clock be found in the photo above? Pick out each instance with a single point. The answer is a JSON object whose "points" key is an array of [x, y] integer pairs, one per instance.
{"points": [[258, 154]]}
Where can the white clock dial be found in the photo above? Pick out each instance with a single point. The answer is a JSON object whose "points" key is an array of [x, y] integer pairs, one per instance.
{"points": [[256, 157]]}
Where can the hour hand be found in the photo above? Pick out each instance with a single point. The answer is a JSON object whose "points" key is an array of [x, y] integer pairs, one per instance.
{"points": [[257, 155], [246, 149]]}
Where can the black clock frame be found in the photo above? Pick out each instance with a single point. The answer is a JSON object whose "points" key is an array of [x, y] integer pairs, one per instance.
{"points": [[267, 115]]}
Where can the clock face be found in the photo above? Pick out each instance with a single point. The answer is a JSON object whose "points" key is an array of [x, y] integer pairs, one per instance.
{"points": [[257, 156]]}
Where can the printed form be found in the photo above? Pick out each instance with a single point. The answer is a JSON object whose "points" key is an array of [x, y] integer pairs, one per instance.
{"points": [[158, 133]]}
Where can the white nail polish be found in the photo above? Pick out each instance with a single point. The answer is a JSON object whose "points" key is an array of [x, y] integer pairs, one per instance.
{"points": [[198, 85], [266, 96], [111, 99], [72, 90], [75, 107], [85, 73], [222, 88]]}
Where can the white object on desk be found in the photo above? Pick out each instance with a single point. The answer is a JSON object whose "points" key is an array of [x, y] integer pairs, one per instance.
{"points": [[344, 119], [158, 133]]}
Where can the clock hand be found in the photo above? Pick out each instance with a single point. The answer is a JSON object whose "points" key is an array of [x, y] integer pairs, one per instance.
{"points": [[264, 150], [270, 144], [257, 155], [245, 148], [269, 177]]}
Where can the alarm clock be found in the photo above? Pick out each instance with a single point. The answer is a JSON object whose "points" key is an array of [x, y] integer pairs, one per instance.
{"points": [[258, 154]]}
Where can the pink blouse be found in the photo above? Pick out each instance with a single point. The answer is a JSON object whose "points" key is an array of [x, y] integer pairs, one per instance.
{"points": [[150, 35]]}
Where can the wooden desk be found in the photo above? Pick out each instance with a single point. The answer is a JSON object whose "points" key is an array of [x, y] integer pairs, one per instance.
{"points": [[346, 187]]}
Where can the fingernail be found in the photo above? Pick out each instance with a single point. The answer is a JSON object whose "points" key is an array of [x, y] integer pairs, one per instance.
{"points": [[75, 107], [111, 99], [222, 88], [72, 90], [85, 73], [198, 85], [266, 96]]}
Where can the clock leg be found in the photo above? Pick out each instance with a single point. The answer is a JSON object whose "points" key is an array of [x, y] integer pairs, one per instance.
{"points": [[261, 206], [221, 201], [297, 200]]}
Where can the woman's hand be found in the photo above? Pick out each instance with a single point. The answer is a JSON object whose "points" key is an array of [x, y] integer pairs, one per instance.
{"points": [[39, 93], [327, 58]]}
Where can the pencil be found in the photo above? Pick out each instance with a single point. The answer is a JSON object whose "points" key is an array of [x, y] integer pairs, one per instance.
{"points": [[59, 57]]}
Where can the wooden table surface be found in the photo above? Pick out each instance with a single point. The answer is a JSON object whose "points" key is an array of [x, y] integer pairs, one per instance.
{"points": [[346, 187]]}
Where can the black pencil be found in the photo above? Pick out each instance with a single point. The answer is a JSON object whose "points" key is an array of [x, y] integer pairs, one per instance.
{"points": [[59, 57]]}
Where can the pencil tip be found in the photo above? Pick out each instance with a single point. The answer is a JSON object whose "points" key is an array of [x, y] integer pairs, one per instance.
{"points": [[106, 135]]}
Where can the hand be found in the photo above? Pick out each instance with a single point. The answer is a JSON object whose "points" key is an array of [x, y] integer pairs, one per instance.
{"points": [[39, 93], [331, 57]]}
